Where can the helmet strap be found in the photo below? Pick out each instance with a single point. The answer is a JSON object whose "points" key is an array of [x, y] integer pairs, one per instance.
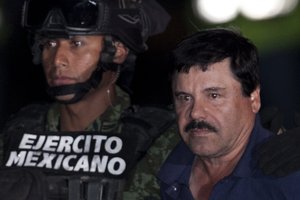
{"points": [[78, 89]]}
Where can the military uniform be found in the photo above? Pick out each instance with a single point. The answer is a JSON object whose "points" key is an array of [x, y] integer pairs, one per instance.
{"points": [[108, 122], [141, 183]]}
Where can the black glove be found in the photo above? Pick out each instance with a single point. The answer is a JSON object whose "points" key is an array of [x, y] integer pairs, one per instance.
{"points": [[271, 119], [146, 123], [280, 155]]}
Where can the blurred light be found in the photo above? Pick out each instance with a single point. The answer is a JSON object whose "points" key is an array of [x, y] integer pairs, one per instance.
{"points": [[289, 6], [258, 9], [221, 11], [217, 11]]}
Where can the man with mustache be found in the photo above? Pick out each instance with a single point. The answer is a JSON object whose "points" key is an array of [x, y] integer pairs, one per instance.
{"points": [[216, 92]]}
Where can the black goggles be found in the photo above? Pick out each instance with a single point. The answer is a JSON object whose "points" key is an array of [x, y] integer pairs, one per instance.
{"points": [[73, 14]]}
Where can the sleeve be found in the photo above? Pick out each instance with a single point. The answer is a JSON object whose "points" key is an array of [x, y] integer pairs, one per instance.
{"points": [[143, 183]]}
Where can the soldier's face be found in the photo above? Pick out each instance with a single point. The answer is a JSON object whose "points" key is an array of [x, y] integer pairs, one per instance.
{"points": [[70, 61]]}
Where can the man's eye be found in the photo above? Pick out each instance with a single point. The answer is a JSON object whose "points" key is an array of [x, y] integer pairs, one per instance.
{"points": [[49, 44], [214, 95], [183, 98], [77, 43]]}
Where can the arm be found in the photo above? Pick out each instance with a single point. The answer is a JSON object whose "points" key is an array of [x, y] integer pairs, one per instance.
{"points": [[280, 155], [143, 184], [154, 129]]}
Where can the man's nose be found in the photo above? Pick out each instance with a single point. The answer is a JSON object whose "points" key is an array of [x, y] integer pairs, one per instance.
{"points": [[198, 110], [61, 57]]}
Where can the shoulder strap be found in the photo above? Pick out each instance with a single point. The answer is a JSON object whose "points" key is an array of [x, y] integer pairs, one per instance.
{"points": [[31, 117]]}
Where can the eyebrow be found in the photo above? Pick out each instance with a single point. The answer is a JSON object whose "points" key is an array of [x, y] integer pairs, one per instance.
{"points": [[177, 93], [210, 89], [207, 90], [214, 89]]}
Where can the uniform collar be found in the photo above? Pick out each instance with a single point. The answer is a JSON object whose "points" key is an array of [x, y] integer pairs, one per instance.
{"points": [[107, 122]]}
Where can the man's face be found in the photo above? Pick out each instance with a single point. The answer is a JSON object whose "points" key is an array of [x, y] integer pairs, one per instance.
{"points": [[70, 61], [215, 99]]}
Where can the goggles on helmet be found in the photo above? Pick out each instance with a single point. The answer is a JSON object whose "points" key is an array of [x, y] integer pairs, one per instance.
{"points": [[131, 21], [70, 16]]}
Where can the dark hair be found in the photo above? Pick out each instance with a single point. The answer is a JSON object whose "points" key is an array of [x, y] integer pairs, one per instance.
{"points": [[210, 46]]}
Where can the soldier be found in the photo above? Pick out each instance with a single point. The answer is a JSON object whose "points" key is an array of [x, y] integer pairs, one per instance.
{"points": [[86, 144]]}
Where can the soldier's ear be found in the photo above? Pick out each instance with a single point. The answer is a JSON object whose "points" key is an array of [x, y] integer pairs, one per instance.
{"points": [[121, 52]]}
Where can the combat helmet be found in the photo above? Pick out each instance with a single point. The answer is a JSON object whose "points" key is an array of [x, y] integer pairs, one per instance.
{"points": [[130, 21]]}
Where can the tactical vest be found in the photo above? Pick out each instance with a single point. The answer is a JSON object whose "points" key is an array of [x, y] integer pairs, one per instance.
{"points": [[137, 124], [58, 187]]}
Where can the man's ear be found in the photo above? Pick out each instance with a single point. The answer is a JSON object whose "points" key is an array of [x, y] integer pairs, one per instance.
{"points": [[121, 52], [255, 100]]}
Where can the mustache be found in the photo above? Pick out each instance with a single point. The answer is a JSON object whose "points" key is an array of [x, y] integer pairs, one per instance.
{"points": [[200, 125]]}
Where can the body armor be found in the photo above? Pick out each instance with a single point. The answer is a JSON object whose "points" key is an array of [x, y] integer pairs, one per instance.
{"points": [[139, 124]]}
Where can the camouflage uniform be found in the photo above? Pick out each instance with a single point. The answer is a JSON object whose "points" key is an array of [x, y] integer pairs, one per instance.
{"points": [[143, 184], [108, 122], [142, 181]]}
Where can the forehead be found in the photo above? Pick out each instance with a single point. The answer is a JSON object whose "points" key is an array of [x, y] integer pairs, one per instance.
{"points": [[217, 74]]}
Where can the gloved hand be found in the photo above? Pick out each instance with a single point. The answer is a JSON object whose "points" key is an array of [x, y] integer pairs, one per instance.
{"points": [[271, 119], [280, 155], [146, 123]]}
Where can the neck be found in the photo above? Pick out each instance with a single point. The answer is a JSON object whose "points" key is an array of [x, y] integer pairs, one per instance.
{"points": [[206, 172], [78, 116]]}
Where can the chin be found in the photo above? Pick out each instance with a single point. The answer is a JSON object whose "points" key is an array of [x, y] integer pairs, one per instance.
{"points": [[65, 97]]}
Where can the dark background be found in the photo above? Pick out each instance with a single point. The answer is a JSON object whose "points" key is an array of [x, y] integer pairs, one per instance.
{"points": [[22, 83]]}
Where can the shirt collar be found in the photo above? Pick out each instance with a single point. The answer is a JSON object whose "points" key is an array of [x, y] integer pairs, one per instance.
{"points": [[178, 165]]}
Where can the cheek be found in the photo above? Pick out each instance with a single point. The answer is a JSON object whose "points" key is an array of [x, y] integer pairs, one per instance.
{"points": [[46, 62], [47, 56], [183, 110], [87, 63], [82, 68], [47, 70], [238, 112], [182, 120], [85, 72]]}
